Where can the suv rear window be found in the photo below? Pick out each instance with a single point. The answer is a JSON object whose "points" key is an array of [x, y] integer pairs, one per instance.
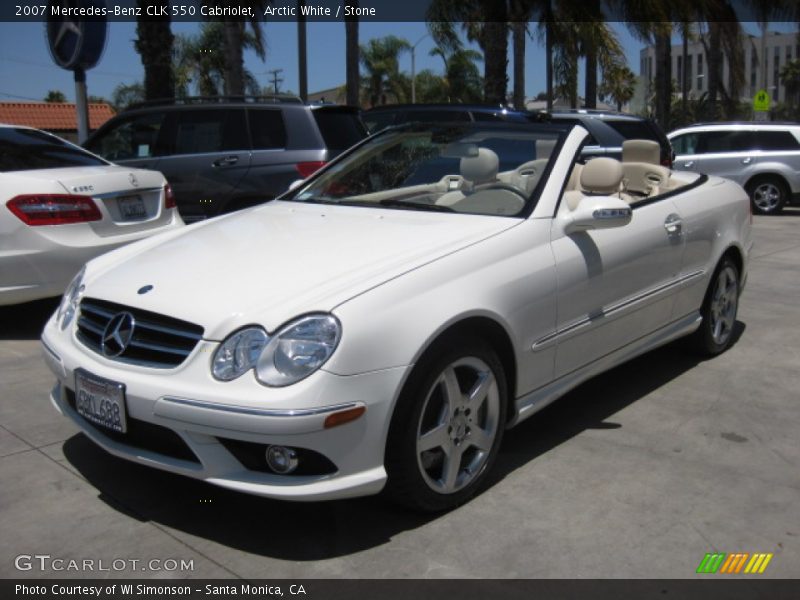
{"points": [[775, 140], [339, 129], [633, 130], [28, 149]]}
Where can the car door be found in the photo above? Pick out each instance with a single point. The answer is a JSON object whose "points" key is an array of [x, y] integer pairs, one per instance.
{"points": [[615, 285], [207, 156], [686, 151]]}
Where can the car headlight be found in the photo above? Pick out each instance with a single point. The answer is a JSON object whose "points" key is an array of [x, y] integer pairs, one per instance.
{"points": [[238, 353], [69, 302], [298, 350]]}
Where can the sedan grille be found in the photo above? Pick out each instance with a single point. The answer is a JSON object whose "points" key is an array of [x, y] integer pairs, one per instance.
{"points": [[156, 341]]}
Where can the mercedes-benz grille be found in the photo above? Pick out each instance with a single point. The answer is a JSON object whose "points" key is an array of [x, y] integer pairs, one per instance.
{"points": [[154, 340]]}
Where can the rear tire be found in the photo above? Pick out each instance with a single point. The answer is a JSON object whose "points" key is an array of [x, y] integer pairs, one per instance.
{"points": [[447, 427], [768, 195], [720, 306]]}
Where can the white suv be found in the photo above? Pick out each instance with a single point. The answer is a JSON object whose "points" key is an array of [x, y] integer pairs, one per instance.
{"points": [[762, 157]]}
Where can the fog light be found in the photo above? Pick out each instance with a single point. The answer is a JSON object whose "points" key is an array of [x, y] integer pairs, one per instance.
{"points": [[282, 460]]}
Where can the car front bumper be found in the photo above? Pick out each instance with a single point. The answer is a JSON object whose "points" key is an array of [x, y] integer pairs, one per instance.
{"points": [[204, 413]]}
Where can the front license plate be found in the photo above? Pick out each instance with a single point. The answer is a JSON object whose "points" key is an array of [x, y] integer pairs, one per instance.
{"points": [[131, 208], [101, 401]]}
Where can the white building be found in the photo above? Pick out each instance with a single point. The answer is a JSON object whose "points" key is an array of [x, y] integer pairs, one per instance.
{"points": [[780, 49]]}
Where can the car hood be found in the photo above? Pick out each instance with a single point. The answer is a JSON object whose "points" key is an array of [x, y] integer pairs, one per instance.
{"points": [[272, 263]]}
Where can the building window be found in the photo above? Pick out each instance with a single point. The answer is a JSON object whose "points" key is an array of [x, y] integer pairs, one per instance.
{"points": [[699, 72]]}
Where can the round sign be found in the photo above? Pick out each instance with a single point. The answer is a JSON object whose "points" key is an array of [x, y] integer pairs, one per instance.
{"points": [[76, 32], [761, 101]]}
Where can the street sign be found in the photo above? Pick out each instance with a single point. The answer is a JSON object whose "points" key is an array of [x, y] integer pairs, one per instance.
{"points": [[76, 42], [761, 101]]}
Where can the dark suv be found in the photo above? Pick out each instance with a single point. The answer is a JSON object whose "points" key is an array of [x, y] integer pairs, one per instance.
{"points": [[397, 114], [223, 154], [609, 129]]}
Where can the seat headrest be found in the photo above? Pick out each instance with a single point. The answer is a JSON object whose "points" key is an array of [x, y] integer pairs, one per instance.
{"points": [[601, 176], [544, 148], [482, 168], [646, 151]]}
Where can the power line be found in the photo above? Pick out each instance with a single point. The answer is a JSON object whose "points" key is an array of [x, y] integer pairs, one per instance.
{"points": [[20, 97]]}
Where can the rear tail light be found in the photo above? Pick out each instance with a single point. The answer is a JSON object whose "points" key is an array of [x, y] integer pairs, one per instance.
{"points": [[169, 197], [308, 168], [54, 209]]}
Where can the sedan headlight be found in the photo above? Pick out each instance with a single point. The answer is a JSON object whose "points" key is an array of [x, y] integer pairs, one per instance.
{"points": [[292, 354], [298, 350], [238, 353], [69, 302]]}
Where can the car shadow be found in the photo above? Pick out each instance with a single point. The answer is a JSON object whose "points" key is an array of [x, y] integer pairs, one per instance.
{"points": [[26, 321], [320, 530]]}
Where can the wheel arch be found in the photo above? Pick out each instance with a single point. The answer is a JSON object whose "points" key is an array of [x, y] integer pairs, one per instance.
{"points": [[492, 332], [766, 175]]}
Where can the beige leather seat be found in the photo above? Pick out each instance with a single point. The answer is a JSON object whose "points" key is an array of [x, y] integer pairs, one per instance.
{"points": [[475, 170], [527, 175], [599, 177], [643, 174]]}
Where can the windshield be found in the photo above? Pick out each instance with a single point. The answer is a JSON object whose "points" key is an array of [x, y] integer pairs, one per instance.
{"points": [[474, 169]]}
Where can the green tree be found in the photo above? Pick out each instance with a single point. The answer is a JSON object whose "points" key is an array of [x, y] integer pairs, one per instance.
{"points": [[462, 80], [484, 22], [380, 60], [618, 85], [153, 42], [126, 94], [55, 96], [200, 60], [790, 77]]}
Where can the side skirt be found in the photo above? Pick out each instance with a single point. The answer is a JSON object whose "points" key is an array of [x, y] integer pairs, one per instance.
{"points": [[533, 402]]}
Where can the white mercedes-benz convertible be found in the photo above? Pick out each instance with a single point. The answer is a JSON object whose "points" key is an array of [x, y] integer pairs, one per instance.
{"points": [[381, 325]]}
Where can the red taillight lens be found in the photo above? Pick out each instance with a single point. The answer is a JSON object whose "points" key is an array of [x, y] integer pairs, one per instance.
{"points": [[169, 197], [308, 168], [54, 209]]}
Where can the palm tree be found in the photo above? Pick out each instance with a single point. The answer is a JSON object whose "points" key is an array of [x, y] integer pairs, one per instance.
{"points": [[154, 44], [790, 77], [485, 22], [207, 70], [380, 59], [351, 56], [235, 30], [462, 81], [618, 85]]}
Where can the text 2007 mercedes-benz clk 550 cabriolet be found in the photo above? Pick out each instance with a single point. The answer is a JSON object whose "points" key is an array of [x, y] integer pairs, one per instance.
{"points": [[380, 325]]}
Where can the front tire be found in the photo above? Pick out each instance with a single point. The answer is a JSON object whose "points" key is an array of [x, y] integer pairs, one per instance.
{"points": [[768, 195], [447, 428], [720, 306]]}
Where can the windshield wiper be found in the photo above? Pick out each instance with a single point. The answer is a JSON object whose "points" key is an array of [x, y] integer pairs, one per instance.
{"points": [[415, 205]]}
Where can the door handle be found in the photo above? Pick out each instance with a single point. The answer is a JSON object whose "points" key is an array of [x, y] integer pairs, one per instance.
{"points": [[747, 161], [688, 164], [673, 224], [224, 162]]}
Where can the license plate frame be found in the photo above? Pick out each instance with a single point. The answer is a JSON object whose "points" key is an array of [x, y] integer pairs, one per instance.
{"points": [[101, 401], [132, 208]]}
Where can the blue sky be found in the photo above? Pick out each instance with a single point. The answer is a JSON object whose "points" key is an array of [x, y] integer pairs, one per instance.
{"points": [[27, 71]]}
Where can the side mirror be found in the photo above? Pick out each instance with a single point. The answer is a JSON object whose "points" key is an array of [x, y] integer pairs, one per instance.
{"points": [[295, 184], [598, 212]]}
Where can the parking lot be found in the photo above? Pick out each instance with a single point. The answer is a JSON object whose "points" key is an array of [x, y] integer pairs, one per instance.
{"points": [[637, 474]]}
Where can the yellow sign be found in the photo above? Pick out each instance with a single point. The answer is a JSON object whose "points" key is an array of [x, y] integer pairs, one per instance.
{"points": [[761, 101]]}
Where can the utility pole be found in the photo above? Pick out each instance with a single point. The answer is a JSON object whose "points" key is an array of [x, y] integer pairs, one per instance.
{"points": [[276, 81]]}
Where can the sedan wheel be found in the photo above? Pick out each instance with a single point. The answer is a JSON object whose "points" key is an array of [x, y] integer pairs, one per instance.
{"points": [[458, 425], [447, 427], [715, 334]]}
